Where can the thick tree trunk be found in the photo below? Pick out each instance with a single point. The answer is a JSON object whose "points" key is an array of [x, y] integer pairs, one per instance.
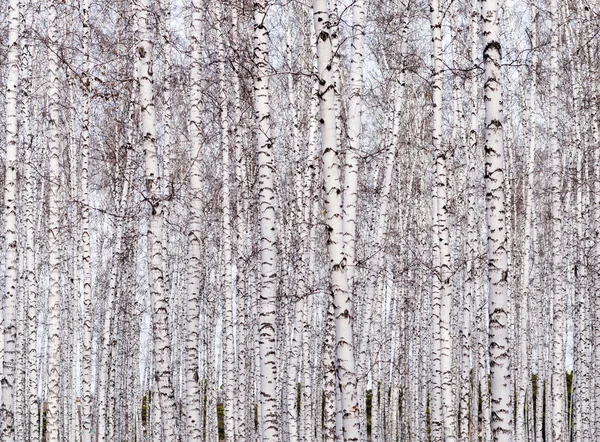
{"points": [[160, 300], [269, 414], [9, 307], [501, 387], [344, 348]]}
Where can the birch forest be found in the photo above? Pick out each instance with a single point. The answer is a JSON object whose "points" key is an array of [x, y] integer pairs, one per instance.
{"points": [[300, 220]]}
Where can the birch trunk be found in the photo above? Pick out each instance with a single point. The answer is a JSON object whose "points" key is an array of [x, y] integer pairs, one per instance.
{"points": [[596, 304], [344, 348], [86, 384], [297, 302], [227, 339], [244, 410], [442, 236], [269, 423], [160, 300], [442, 354], [192, 406], [501, 387], [558, 391], [472, 249], [54, 125], [354, 139], [308, 415], [108, 331], [435, 386], [9, 307], [29, 210], [526, 292]]}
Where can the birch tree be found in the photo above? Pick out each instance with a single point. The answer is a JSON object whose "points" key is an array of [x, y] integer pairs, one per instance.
{"points": [[160, 302], [30, 191], [558, 323], [228, 331], [501, 389], [441, 237], [269, 420], [344, 347], [54, 343], [9, 307], [174, 265], [524, 376], [192, 396], [354, 137], [86, 409]]}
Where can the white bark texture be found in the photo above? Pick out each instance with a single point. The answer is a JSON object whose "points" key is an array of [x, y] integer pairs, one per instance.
{"points": [[523, 389], [160, 300], [54, 126], [501, 387], [472, 250], [9, 307], [298, 275], [192, 395], [31, 413], [344, 347], [441, 233], [86, 384], [596, 304], [227, 335], [354, 139], [269, 413], [558, 389]]}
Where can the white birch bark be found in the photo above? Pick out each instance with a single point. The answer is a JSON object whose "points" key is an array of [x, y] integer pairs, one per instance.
{"points": [[160, 301], [86, 384], [523, 388], [435, 386], [308, 415], [244, 409], [20, 414], [269, 414], [105, 385], [9, 305], [596, 304], [298, 274], [441, 237], [227, 335], [472, 249], [376, 289], [558, 389], [211, 421], [70, 315], [192, 397], [344, 348], [329, 381], [29, 211], [541, 327], [54, 124], [501, 387], [354, 139]]}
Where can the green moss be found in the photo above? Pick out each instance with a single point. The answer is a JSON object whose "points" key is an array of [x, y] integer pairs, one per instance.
{"points": [[221, 421], [369, 410]]}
